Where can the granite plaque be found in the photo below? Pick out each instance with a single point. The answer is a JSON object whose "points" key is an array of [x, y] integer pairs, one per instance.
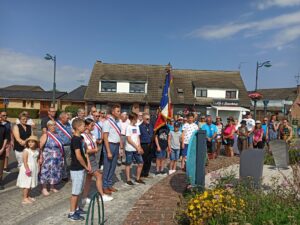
{"points": [[280, 153]]}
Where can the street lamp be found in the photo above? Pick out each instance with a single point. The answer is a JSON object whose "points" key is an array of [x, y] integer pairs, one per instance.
{"points": [[53, 58], [258, 65]]}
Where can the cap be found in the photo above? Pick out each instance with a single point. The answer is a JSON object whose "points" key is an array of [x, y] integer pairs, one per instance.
{"points": [[257, 121], [176, 124]]}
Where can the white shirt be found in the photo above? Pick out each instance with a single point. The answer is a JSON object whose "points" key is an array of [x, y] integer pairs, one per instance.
{"points": [[124, 126], [250, 124], [113, 135], [134, 133], [188, 130]]}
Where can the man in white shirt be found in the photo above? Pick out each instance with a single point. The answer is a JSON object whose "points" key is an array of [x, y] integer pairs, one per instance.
{"points": [[124, 123]]}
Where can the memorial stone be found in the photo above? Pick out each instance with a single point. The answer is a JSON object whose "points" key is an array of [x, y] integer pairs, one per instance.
{"points": [[280, 153]]}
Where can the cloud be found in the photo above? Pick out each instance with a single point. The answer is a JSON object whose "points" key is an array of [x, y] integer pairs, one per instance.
{"points": [[285, 25], [265, 4], [19, 68]]}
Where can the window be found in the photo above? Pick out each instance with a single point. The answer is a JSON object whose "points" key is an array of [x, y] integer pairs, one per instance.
{"points": [[108, 86], [231, 94], [31, 104], [201, 93], [24, 103], [136, 87]]}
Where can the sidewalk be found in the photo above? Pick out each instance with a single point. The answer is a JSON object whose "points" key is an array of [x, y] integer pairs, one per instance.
{"points": [[54, 209]]}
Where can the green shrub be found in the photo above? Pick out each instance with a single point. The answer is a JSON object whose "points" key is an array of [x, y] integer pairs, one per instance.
{"points": [[14, 112], [72, 109]]}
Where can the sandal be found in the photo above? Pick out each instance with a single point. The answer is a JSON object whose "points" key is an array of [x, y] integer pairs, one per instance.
{"points": [[45, 192]]}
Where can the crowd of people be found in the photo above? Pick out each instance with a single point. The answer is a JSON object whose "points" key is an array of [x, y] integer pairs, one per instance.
{"points": [[92, 146]]}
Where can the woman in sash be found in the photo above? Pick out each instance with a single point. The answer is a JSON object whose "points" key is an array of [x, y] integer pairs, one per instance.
{"points": [[52, 159]]}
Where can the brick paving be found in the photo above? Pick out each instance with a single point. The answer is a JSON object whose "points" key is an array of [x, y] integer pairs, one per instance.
{"points": [[159, 204]]}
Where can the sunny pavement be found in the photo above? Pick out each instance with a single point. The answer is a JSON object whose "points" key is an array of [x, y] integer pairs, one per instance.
{"points": [[54, 209]]}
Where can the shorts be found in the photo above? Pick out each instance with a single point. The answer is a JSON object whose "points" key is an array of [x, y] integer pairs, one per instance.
{"points": [[133, 156], [174, 154], [162, 154], [184, 151], [210, 146], [78, 179], [229, 142]]}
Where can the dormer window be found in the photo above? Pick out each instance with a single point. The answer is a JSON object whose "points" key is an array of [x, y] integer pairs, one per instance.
{"points": [[137, 87], [108, 86]]}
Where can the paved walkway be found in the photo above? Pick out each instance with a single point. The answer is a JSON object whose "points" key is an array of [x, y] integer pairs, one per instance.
{"points": [[54, 209]]}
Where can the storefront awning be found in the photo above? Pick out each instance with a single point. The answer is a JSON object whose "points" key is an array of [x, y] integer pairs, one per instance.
{"points": [[229, 108]]}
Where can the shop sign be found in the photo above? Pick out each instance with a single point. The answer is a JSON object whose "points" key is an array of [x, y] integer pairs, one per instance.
{"points": [[226, 102]]}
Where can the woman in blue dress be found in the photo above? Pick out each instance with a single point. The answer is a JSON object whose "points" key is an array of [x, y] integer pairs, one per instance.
{"points": [[273, 127], [52, 159]]}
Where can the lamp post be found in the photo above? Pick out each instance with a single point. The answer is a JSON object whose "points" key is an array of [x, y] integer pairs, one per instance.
{"points": [[53, 58], [258, 65]]}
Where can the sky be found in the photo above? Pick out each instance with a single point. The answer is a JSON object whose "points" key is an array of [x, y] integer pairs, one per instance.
{"points": [[204, 35]]}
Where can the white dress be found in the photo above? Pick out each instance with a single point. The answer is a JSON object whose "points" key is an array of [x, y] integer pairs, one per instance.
{"points": [[23, 180]]}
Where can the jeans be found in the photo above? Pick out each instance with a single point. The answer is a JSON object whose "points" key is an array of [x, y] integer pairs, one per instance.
{"points": [[109, 166]]}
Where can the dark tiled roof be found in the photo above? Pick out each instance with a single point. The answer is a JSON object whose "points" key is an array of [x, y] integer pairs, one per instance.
{"points": [[76, 95], [278, 93], [155, 74], [23, 88], [27, 95]]}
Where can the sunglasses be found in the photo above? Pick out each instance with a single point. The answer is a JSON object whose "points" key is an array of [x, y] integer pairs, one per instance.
{"points": [[97, 116], [147, 118]]}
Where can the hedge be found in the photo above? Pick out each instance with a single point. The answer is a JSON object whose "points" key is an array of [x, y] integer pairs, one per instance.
{"points": [[15, 112]]}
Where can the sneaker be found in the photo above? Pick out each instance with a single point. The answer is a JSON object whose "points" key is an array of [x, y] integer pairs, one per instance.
{"points": [[140, 181], [75, 217], [129, 183], [80, 211], [7, 171], [119, 162], [163, 173], [171, 171], [107, 198], [157, 173]]}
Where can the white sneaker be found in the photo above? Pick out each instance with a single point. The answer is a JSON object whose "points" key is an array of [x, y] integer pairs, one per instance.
{"points": [[107, 198], [171, 171]]}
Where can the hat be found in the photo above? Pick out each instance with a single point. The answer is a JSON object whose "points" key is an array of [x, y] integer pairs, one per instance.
{"points": [[32, 138], [257, 121], [176, 124]]}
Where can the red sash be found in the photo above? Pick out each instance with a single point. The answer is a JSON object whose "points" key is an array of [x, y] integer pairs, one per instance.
{"points": [[57, 141]]}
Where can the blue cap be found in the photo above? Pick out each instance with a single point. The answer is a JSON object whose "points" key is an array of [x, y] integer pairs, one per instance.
{"points": [[176, 124]]}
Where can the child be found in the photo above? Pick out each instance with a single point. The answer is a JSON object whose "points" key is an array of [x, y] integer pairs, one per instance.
{"points": [[174, 147], [133, 149], [187, 131], [92, 150], [242, 136], [161, 141], [28, 175], [79, 166]]}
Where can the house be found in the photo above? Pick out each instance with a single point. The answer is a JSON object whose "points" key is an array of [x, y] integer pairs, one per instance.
{"points": [[28, 97], [139, 88], [74, 98], [276, 101]]}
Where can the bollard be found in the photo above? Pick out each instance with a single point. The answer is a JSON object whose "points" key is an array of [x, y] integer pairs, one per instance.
{"points": [[201, 153]]}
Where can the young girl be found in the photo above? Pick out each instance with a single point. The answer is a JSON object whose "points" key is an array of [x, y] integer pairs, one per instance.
{"points": [[242, 136], [28, 175], [92, 150], [258, 133]]}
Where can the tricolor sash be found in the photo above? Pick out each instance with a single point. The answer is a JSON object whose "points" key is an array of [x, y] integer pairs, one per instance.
{"points": [[63, 129], [98, 127], [114, 125], [57, 141], [93, 144]]}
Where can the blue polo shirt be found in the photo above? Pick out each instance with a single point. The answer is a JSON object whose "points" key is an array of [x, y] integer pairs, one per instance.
{"points": [[146, 131], [63, 136], [210, 130]]}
